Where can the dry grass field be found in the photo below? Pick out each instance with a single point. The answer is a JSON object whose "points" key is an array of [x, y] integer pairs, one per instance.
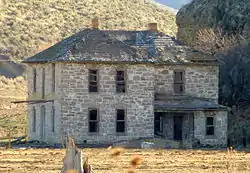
{"points": [[153, 161]]}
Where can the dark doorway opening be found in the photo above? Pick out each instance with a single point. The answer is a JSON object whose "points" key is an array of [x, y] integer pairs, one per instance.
{"points": [[177, 128]]}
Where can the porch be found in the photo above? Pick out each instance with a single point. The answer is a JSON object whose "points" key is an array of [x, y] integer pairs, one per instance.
{"points": [[175, 126], [190, 121]]}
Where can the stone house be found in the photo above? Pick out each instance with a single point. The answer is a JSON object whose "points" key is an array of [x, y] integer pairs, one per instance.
{"points": [[102, 86]]}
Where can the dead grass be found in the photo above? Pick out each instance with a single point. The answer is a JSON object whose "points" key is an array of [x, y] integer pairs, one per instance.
{"points": [[12, 115], [154, 161]]}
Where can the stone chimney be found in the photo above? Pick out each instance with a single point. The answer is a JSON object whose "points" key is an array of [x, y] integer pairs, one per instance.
{"points": [[95, 23], [152, 27]]}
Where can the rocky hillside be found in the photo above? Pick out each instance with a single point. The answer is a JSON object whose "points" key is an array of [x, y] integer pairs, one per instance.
{"points": [[29, 26]]}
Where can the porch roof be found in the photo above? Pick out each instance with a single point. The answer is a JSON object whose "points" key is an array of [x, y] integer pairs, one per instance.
{"points": [[186, 104]]}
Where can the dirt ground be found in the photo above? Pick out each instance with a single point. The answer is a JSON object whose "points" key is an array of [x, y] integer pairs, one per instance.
{"points": [[153, 161]]}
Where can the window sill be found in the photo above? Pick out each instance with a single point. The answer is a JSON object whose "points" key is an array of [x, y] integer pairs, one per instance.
{"points": [[121, 134], [210, 137], [93, 133]]}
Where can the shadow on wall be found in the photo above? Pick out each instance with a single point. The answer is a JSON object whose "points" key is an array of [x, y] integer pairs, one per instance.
{"points": [[9, 68]]}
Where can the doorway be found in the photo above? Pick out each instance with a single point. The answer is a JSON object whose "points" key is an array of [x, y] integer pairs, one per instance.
{"points": [[178, 128]]}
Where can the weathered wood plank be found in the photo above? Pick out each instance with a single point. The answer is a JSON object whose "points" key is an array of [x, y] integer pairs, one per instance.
{"points": [[73, 161]]}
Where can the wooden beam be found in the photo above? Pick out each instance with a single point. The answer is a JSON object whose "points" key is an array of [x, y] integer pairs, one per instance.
{"points": [[32, 101]]}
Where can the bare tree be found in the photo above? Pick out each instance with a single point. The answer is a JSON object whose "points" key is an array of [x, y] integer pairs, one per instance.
{"points": [[209, 41]]}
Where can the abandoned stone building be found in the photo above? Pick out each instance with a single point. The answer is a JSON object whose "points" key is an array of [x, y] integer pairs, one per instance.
{"points": [[102, 86]]}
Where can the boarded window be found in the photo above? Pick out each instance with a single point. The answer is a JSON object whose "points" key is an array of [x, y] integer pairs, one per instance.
{"points": [[43, 83], [34, 80], [120, 82], [93, 120], [179, 82], [33, 119], [93, 81], [120, 121], [53, 78], [53, 119], [210, 126]]}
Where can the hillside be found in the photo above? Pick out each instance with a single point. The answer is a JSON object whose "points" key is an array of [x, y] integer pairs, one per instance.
{"points": [[29, 26]]}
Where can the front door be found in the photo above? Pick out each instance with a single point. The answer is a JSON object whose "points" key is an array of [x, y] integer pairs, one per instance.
{"points": [[177, 128]]}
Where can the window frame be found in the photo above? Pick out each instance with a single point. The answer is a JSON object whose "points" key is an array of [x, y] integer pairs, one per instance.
{"points": [[97, 121], [33, 126], [208, 126], [125, 122], [97, 80], [182, 82], [125, 81]]}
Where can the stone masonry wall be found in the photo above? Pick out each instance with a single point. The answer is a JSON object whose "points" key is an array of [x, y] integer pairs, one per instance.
{"points": [[200, 81], [50, 136], [138, 102], [220, 122]]}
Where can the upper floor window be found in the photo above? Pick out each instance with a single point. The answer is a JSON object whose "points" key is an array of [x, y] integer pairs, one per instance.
{"points": [[43, 83], [93, 121], [120, 121], [120, 81], [93, 80], [179, 81], [210, 126], [34, 80], [53, 78]]}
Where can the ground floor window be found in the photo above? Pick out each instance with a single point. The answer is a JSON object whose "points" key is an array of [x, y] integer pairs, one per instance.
{"points": [[120, 121], [53, 119], [210, 126], [93, 120], [158, 123], [33, 119]]}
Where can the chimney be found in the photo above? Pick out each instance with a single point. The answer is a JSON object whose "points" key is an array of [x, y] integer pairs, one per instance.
{"points": [[152, 27], [95, 23]]}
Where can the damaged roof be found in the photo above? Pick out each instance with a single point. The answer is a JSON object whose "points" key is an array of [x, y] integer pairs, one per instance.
{"points": [[94, 45], [186, 103]]}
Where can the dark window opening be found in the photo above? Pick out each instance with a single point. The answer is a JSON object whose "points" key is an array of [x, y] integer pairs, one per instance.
{"points": [[42, 121], [93, 120], [120, 82], [53, 78], [158, 123], [53, 119], [34, 80], [179, 82], [120, 121], [34, 120], [210, 126], [43, 83], [93, 81]]}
